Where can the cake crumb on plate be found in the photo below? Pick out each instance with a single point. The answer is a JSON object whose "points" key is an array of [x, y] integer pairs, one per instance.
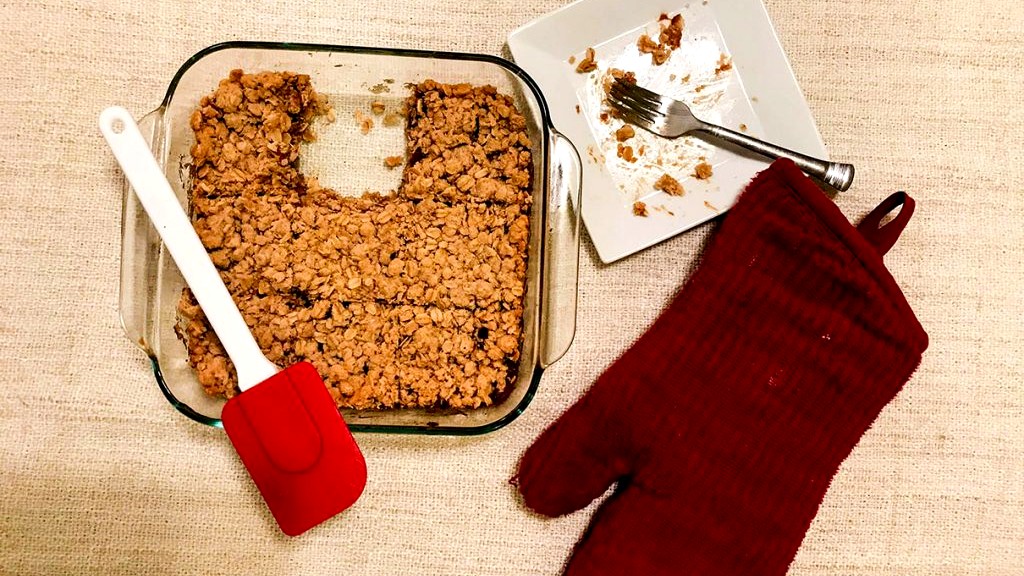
{"points": [[669, 185], [589, 62], [702, 171]]}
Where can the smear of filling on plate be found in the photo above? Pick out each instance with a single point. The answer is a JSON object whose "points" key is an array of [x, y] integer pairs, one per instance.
{"points": [[413, 299], [692, 70]]}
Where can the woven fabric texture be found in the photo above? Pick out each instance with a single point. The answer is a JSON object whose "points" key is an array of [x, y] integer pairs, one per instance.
{"points": [[99, 475]]}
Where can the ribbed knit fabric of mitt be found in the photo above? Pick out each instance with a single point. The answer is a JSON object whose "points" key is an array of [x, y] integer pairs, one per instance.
{"points": [[725, 422]]}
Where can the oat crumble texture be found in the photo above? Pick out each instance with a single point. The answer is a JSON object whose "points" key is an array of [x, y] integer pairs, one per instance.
{"points": [[413, 299], [626, 153], [588, 63], [669, 38], [703, 171], [724, 64], [669, 185]]}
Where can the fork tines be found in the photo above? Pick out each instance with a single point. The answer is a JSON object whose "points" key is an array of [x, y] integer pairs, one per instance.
{"points": [[633, 91], [638, 105]]}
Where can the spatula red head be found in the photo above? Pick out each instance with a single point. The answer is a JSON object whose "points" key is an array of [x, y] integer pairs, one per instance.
{"points": [[298, 450]]}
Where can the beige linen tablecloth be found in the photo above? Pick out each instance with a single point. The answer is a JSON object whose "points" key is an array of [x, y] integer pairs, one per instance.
{"points": [[99, 475]]}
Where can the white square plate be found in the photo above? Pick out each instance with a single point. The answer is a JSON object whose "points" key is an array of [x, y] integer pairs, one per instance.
{"points": [[758, 95]]}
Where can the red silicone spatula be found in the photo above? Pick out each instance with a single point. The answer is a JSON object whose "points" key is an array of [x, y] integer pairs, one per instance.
{"points": [[284, 425]]}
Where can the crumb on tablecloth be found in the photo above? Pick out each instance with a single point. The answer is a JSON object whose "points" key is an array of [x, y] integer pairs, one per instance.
{"points": [[365, 122]]}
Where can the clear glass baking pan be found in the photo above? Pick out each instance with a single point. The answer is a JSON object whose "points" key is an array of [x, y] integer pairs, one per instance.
{"points": [[344, 159]]}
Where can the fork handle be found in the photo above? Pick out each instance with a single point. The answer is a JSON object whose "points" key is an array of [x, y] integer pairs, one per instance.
{"points": [[835, 174]]}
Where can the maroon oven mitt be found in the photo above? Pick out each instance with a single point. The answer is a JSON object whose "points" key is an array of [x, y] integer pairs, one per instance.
{"points": [[724, 424]]}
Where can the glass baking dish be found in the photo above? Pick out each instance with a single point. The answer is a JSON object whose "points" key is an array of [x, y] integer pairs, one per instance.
{"points": [[344, 159]]}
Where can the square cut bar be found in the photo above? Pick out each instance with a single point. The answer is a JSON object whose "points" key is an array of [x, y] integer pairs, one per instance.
{"points": [[372, 355], [382, 249]]}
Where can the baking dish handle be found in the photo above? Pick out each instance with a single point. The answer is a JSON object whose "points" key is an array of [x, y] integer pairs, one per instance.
{"points": [[140, 252], [561, 250]]}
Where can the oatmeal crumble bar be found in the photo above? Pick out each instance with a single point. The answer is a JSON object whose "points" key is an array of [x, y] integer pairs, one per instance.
{"points": [[413, 299], [466, 144], [364, 349], [376, 248]]}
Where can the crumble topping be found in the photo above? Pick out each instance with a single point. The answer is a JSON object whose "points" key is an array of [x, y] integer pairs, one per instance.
{"points": [[702, 171], [413, 299], [588, 63], [625, 133], [626, 153], [669, 38], [669, 185]]}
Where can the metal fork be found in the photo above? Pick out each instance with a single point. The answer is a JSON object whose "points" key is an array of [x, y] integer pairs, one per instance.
{"points": [[671, 118]]}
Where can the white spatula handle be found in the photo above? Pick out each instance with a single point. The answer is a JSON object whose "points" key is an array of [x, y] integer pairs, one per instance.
{"points": [[171, 222]]}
